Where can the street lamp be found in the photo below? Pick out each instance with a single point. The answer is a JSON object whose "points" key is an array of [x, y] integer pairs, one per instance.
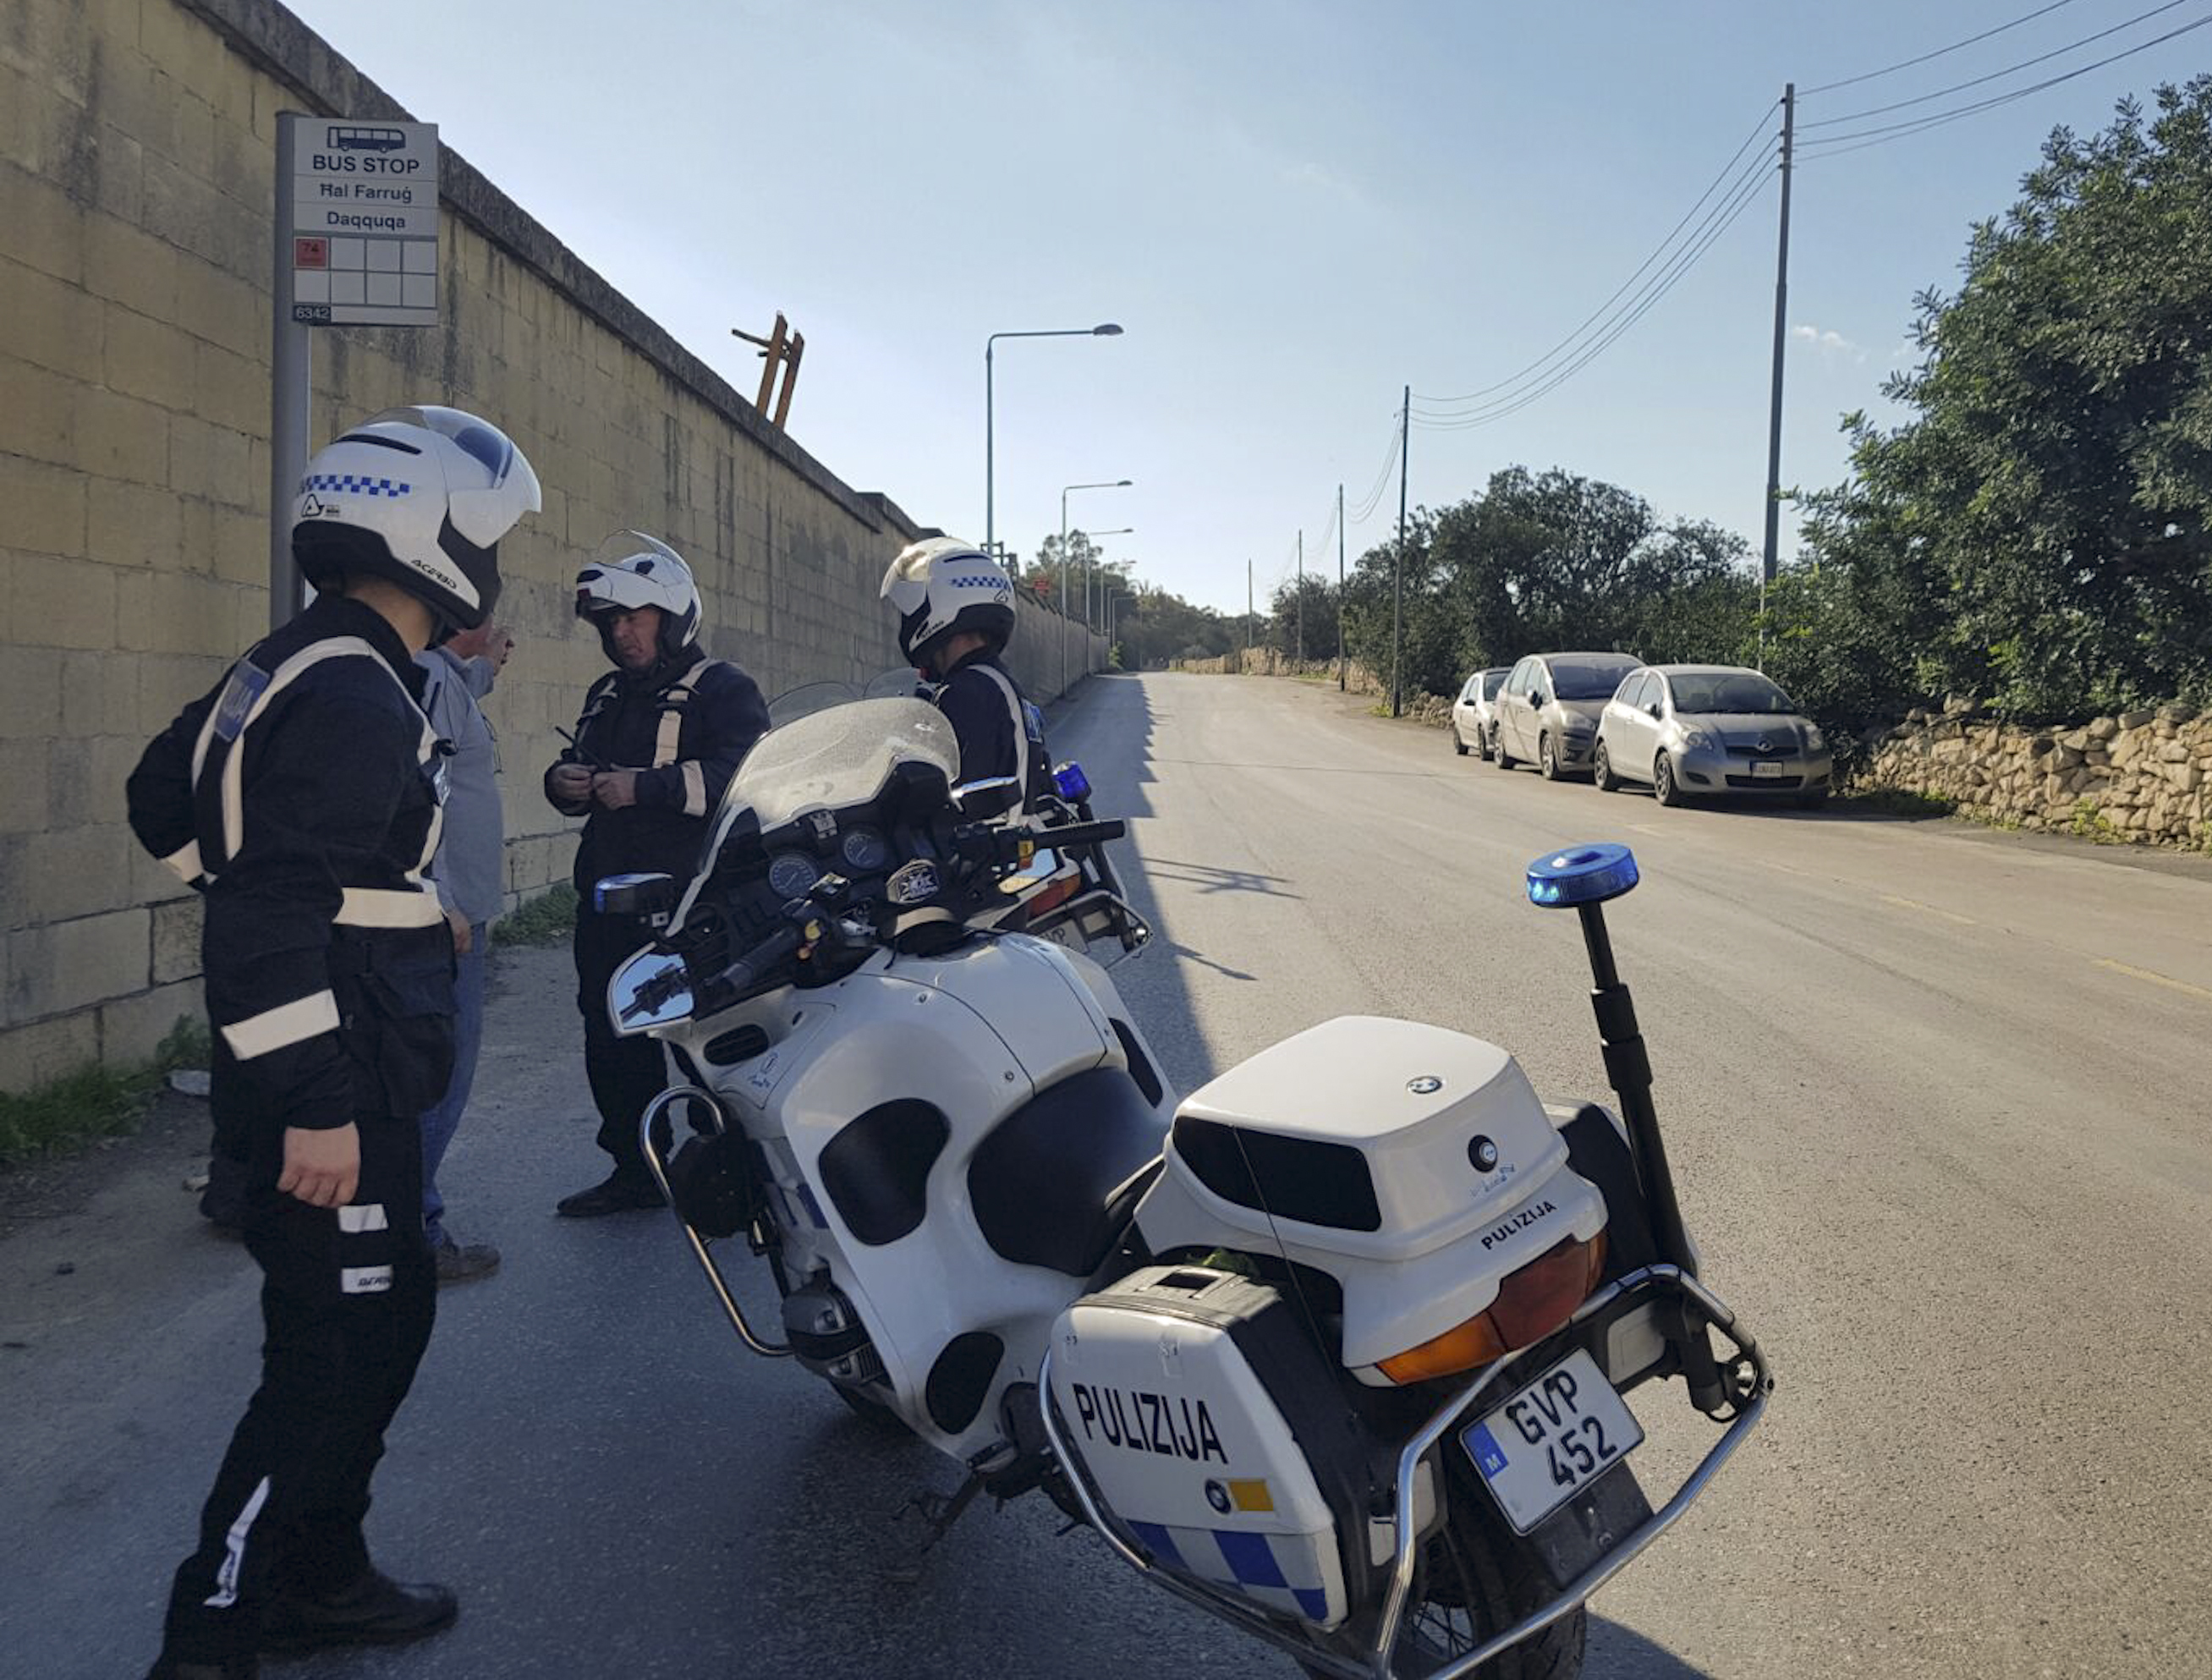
{"points": [[1118, 530], [1103, 483], [1104, 330]]}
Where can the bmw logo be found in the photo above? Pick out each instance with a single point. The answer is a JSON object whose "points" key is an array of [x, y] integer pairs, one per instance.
{"points": [[1218, 1497], [1426, 1085], [1482, 1154]]}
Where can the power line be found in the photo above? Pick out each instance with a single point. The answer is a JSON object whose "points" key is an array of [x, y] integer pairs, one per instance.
{"points": [[1907, 63], [1467, 422], [1567, 344], [1374, 496], [1836, 146], [1996, 75], [1747, 189]]}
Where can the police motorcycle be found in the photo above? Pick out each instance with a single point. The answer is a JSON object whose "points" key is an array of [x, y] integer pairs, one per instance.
{"points": [[1337, 1347]]}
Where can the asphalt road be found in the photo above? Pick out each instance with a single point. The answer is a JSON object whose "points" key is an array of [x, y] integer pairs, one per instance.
{"points": [[1938, 1101]]}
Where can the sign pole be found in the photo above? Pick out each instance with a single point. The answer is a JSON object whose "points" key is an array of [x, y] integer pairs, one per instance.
{"points": [[356, 245], [290, 362]]}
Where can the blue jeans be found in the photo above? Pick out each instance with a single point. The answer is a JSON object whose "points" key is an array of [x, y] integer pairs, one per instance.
{"points": [[440, 1123]]}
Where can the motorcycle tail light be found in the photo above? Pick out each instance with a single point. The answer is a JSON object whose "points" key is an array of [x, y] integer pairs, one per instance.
{"points": [[1059, 892], [1531, 1304]]}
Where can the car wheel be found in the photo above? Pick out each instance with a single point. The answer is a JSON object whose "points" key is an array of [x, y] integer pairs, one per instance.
{"points": [[1601, 770], [1498, 755], [1482, 743], [1548, 756], [1459, 741], [1813, 801], [1664, 788]]}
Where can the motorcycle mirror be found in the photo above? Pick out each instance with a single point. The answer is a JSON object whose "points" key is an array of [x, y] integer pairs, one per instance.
{"points": [[992, 798], [652, 989], [641, 895]]}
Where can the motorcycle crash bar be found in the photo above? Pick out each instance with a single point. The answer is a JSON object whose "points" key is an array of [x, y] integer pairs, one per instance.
{"points": [[1756, 1386]]}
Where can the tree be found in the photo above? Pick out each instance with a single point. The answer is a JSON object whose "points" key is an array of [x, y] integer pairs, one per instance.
{"points": [[2037, 533], [1302, 615]]}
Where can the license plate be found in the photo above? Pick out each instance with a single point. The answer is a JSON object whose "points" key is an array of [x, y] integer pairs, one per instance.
{"points": [[1766, 769], [1551, 1440]]}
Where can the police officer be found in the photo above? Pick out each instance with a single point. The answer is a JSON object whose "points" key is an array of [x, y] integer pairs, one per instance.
{"points": [[660, 738], [301, 797], [955, 611]]}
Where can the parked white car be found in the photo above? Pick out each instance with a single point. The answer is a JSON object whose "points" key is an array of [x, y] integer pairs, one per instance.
{"points": [[1691, 729], [1475, 710]]}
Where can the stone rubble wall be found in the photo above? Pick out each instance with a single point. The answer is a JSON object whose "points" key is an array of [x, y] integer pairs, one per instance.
{"points": [[2141, 778], [1431, 710]]}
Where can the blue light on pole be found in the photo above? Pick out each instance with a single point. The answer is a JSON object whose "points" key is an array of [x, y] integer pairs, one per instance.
{"points": [[1580, 875]]}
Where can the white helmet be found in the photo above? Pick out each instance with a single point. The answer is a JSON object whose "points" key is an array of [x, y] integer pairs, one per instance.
{"points": [[942, 585], [422, 497], [631, 570]]}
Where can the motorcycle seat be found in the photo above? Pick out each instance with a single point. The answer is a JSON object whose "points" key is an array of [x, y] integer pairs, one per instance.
{"points": [[1056, 1183]]}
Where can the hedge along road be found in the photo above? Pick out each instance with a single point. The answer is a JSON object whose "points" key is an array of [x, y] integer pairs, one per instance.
{"points": [[1941, 1138]]}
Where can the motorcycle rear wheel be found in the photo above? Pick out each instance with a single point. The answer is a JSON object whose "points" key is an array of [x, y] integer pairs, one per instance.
{"points": [[1473, 1583]]}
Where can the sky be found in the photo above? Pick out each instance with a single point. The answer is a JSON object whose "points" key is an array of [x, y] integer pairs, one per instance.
{"points": [[1293, 208]]}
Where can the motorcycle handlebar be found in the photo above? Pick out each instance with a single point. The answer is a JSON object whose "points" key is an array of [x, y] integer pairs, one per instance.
{"points": [[1082, 834], [750, 970]]}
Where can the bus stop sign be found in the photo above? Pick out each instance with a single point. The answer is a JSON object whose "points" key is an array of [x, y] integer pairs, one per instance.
{"points": [[360, 207]]}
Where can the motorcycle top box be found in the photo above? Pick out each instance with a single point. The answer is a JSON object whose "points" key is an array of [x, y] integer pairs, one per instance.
{"points": [[1412, 1163]]}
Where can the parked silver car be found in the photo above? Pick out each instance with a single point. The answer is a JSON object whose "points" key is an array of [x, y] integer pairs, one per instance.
{"points": [[1709, 729], [1472, 712], [1548, 710]]}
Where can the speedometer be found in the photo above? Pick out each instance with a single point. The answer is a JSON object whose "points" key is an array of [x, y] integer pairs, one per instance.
{"points": [[790, 874], [865, 851]]}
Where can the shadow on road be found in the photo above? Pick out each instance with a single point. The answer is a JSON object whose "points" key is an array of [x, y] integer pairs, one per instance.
{"points": [[1616, 1652], [1208, 878]]}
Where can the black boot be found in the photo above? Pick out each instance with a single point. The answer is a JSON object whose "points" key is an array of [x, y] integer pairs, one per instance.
{"points": [[375, 1611], [621, 1190]]}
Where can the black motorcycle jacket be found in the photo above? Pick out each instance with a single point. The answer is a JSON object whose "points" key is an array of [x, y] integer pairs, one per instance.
{"points": [[682, 726], [999, 731], [300, 797]]}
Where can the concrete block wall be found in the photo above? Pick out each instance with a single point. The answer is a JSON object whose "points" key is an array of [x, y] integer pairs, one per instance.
{"points": [[137, 159]]}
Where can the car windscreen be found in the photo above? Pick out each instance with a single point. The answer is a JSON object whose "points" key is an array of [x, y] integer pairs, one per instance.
{"points": [[1587, 680], [1727, 692], [1492, 683]]}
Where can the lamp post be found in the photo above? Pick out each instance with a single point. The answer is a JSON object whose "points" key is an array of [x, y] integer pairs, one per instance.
{"points": [[1118, 530], [1103, 483], [1104, 330]]}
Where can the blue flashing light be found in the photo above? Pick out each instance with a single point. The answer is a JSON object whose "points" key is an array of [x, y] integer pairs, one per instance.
{"points": [[600, 888], [1580, 875], [1074, 786]]}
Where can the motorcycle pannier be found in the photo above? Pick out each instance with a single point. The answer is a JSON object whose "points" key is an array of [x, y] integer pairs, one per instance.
{"points": [[1212, 1426]]}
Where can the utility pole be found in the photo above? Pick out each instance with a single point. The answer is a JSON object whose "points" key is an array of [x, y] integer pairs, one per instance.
{"points": [[1247, 612], [1302, 595], [1781, 339], [1398, 566], [1340, 589]]}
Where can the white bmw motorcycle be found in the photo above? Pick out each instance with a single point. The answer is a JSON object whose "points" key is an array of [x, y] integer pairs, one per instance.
{"points": [[1334, 1348]]}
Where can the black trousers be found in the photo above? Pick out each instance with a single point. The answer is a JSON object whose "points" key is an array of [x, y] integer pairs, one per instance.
{"points": [[625, 1074], [347, 1299]]}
